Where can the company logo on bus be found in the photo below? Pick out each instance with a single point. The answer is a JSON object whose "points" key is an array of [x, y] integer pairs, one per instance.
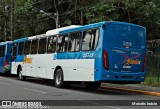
{"points": [[127, 43], [133, 61], [27, 60]]}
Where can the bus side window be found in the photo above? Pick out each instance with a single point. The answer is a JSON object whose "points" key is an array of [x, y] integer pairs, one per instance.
{"points": [[27, 47], [74, 41], [34, 46], [21, 48], [1, 51], [94, 42], [42, 46], [62, 43], [59, 44], [14, 51], [51, 45], [90, 39]]}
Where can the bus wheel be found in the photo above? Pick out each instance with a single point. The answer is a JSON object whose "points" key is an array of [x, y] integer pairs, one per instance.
{"points": [[92, 85], [58, 78], [20, 75]]}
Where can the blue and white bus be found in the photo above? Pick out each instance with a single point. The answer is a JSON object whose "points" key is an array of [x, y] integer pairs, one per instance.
{"points": [[102, 52], [5, 56]]}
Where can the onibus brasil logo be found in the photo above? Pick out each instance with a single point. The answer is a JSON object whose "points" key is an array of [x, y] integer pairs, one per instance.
{"points": [[22, 104]]}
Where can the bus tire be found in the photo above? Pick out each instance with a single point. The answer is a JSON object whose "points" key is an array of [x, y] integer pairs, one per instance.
{"points": [[20, 75], [58, 79], [92, 85]]}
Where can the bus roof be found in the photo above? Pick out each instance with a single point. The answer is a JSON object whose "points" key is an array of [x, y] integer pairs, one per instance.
{"points": [[57, 31], [4, 43], [95, 25], [30, 38], [73, 28], [82, 27], [21, 40], [37, 36], [125, 23]]}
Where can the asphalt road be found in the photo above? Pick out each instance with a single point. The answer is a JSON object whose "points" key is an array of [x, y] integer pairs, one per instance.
{"points": [[37, 89]]}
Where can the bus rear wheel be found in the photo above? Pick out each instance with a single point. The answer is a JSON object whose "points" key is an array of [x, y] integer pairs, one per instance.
{"points": [[20, 75], [59, 80], [92, 85]]}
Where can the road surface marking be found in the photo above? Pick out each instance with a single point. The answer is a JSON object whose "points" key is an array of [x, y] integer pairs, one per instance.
{"points": [[4, 83], [35, 90]]}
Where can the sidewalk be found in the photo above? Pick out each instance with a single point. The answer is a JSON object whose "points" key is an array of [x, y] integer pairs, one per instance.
{"points": [[133, 88]]}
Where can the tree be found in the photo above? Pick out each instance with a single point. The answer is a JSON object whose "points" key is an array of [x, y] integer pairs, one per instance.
{"points": [[29, 21]]}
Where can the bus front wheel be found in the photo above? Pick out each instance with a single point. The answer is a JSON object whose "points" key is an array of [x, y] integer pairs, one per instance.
{"points": [[92, 85], [20, 75]]}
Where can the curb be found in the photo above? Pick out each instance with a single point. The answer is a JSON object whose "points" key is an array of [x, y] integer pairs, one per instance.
{"points": [[132, 91]]}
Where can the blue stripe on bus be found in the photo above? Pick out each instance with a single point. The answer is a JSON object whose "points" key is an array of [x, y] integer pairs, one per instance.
{"points": [[21, 40], [19, 58]]}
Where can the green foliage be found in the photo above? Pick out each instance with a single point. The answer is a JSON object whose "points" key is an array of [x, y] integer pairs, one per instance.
{"points": [[29, 21], [28, 6], [151, 81]]}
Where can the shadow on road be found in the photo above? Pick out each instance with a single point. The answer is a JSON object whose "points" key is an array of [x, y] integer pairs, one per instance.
{"points": [[75, 87], [7, 75]]}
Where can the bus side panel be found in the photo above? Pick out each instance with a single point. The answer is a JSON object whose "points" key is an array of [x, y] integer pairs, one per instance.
{"points": [[44, 65], [3, 59], [98, 56], [18, 61], [2, 70], [9, 57], [78, 69], [9, 54]]}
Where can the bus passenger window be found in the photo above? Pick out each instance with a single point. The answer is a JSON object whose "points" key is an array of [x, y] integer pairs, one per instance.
{"points": [[27, 48], [34, 46], [2, 50], [21, 48], [74, 41], [51, 45], [14, 51], [42, 46], [90, 39], [62, 43]]}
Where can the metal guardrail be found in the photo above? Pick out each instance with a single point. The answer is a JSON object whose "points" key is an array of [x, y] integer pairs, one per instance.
{"points": [[152, 44]]}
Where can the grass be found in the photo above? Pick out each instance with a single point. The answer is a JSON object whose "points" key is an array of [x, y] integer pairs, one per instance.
{"points": [[153, 71], [151, 81]]}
